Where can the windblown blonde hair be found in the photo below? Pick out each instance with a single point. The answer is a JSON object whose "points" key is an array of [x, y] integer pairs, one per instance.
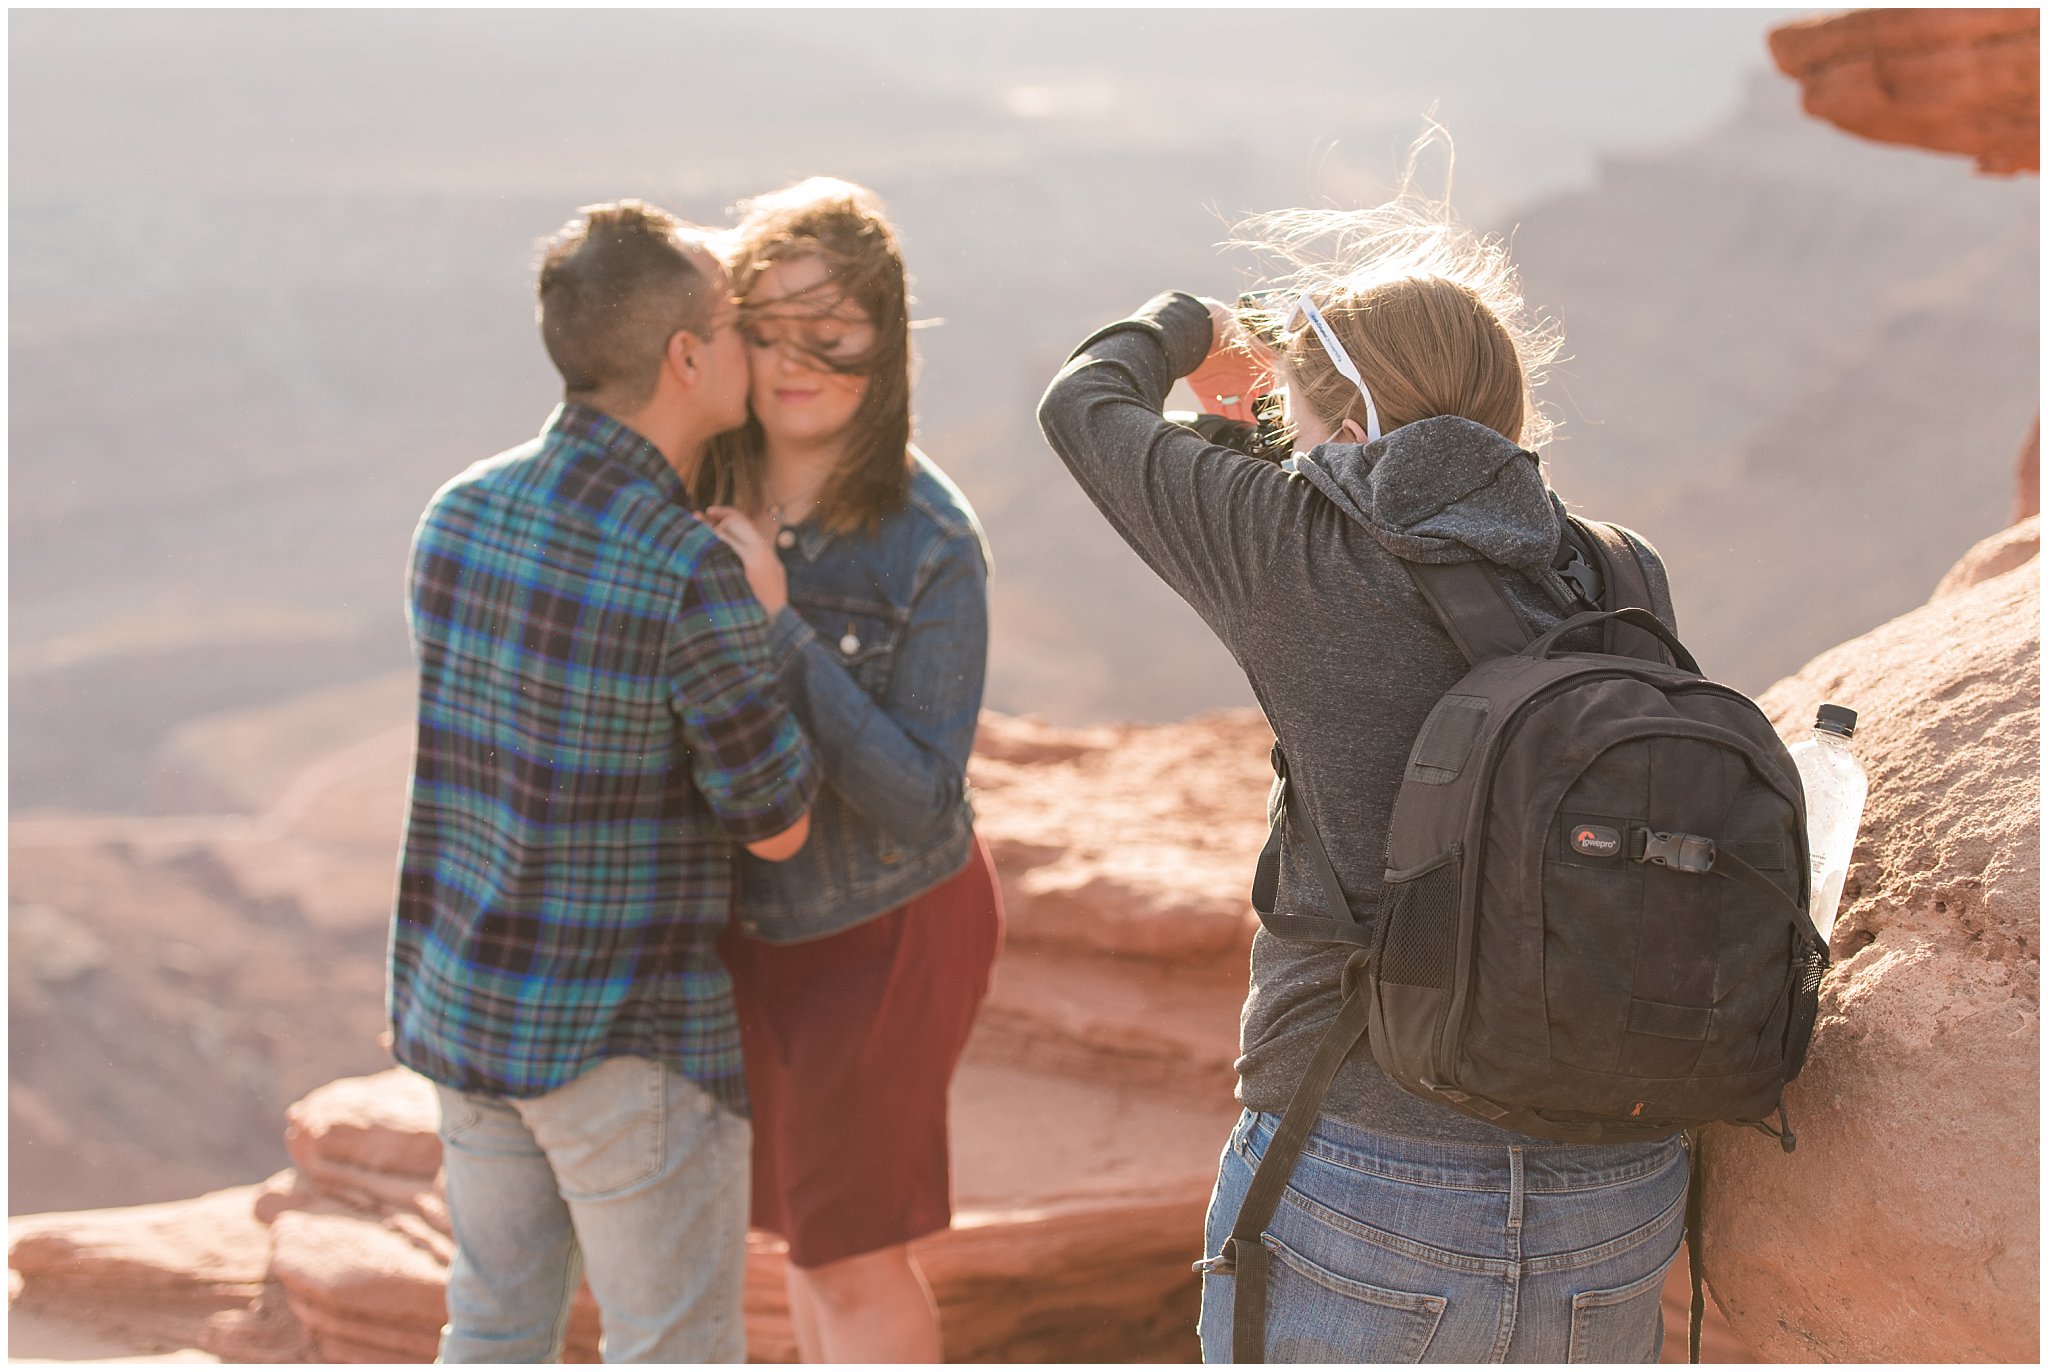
{"points": [[1430, 311]]}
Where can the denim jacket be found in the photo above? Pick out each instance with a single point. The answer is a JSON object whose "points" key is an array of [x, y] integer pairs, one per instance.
{"points": [[881, 655]]}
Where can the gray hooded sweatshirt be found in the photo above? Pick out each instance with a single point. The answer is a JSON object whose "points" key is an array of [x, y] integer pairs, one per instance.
{"points": [[1300, 576]]}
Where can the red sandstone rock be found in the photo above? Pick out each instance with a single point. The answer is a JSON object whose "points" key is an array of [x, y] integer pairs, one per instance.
{"points": [[263, 1332], [1906, 1226], [1127, 839], [2027, 492], [1958, 80], [210, 1245], [368, 1286], [1995, 556], [41, 1336], [382, 1125], [1066, 1015], [170, 1282], [1080, 1209]]}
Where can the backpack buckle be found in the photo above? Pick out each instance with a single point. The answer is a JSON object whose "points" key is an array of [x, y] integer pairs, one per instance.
{"points": [[1355, 968], [1685, 852], [1580, 578]]}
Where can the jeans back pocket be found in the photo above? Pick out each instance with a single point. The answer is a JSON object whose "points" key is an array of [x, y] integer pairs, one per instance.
{"points": [[1624, 1324], [1316, 1315], [606, 1131]]}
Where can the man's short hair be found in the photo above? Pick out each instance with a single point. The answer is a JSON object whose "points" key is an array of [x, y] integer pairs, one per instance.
{"points": [[616, 283]]}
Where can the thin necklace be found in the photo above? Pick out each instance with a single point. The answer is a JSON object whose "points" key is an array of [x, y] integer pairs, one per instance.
{"points": [[785, 514], [779, 514]]}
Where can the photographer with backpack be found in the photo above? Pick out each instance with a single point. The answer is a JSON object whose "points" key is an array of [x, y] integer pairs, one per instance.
{"points": [[1413, 535]]}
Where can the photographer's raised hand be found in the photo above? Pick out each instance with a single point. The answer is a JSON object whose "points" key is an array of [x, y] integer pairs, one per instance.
{"points": [[1237, 368], [1207, 518], [765, 574]]}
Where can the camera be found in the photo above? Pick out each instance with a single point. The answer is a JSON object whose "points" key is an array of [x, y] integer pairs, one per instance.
{"points": [[1266, 438], [1266, 435]]}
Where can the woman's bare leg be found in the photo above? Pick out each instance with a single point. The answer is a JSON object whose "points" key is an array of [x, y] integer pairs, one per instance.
{"points": [[803, 1316], [876, 1307]]}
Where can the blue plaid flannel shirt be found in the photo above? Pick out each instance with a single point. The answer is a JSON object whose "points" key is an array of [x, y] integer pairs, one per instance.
{"points": [[599, 724]]}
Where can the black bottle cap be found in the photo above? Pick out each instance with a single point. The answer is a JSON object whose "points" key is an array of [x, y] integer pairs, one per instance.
{"points": [[1836, 719]]}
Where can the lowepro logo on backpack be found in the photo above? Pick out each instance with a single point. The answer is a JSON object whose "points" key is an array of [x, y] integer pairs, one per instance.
{"points": [[1596, 840]]}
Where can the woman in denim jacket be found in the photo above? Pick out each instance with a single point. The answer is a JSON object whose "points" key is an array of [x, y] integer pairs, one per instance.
{"points": [[859, 964]]}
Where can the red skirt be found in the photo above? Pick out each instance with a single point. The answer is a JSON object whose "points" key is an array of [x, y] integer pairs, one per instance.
{"points": [[850, 1044]]}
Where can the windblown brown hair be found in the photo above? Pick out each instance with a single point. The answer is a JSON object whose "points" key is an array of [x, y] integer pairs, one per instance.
{"points": [[846, 227], [616, 283], [1431, 313]]}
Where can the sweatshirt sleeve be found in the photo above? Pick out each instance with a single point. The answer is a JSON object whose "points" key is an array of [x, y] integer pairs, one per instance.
{"points": [[1206, 519]]}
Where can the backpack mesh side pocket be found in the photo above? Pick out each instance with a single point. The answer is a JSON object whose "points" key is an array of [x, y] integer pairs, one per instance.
{"points": [[1419, 926]]}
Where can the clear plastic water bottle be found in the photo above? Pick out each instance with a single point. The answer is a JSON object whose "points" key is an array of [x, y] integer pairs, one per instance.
{"points": [[1835, 790]]}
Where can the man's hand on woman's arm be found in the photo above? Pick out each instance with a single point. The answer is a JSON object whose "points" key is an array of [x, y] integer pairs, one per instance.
{"points": [[765, 574]]}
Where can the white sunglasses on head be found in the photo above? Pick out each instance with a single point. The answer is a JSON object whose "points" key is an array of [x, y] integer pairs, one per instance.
{"points": [[1305, 304]]}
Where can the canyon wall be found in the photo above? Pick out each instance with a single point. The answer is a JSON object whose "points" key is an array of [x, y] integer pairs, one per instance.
{"points": [[1947, 80], [1906, 1225], [1950, 80], [232, 398]]}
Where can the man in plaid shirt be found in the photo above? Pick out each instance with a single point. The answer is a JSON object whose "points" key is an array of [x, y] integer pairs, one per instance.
{"points": [[598, 725]]}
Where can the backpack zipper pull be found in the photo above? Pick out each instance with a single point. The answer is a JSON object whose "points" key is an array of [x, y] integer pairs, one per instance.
{"points": [[1787, 1140]]}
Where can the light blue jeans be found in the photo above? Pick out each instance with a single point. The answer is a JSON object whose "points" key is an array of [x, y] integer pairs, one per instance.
{"points": [[1390, 1249], [631, 1173]]}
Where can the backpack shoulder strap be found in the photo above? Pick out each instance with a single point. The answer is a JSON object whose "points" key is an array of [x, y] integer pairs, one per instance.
{"points": [[1342, 924], [1244, 1253], [1623, 584], [1695, 1206], [1597, 567], [1472, 605]]}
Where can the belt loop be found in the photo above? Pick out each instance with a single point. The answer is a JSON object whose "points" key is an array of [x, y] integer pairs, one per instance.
{"points": [[1518, 1184]]}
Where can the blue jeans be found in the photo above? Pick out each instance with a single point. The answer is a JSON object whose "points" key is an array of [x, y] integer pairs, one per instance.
{"points": [[1390, 1249], [632, 1174]]}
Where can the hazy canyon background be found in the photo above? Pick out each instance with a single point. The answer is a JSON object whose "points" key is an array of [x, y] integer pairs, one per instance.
{"points": [[270, 286]]}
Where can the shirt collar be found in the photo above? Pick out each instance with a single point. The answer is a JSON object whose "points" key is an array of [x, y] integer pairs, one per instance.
{"points": [[592, 428], [812, 538]]}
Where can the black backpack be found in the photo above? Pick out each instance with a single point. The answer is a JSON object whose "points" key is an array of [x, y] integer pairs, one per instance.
{"points": [[1592, 926]]}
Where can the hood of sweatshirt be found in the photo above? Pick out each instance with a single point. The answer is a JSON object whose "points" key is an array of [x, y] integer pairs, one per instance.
{"points": [[1443, 490]]}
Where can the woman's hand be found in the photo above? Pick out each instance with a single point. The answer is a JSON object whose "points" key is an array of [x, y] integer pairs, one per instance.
{"points": [[763, 564], [1237, 368]]}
